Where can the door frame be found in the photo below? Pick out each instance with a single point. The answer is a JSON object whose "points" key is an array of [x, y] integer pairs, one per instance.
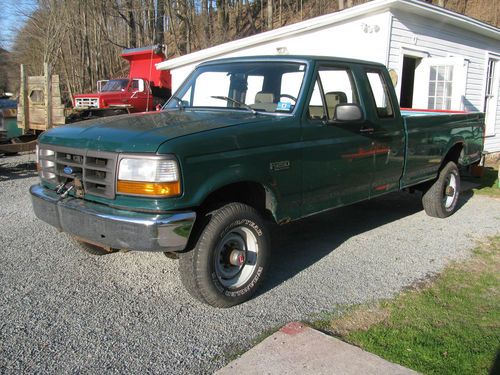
{"points": [[491, 109], [410, 52]]}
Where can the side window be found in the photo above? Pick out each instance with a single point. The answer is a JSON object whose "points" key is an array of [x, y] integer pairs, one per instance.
{"points": [[316, 106], [137, 85], [337, 87], [380, 94]]}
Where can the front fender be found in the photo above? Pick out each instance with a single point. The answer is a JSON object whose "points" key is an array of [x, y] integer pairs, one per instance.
{"points": [[234, 174]]}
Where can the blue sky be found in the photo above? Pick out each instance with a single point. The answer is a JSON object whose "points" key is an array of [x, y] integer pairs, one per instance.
{"points": [[13, 16]]}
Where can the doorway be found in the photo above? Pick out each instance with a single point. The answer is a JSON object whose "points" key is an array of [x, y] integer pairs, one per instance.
{"points": [[410, 63]]}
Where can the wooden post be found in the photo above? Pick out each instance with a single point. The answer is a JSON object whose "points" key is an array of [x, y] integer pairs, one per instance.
{"points": [[23, 99], [48, 94]]}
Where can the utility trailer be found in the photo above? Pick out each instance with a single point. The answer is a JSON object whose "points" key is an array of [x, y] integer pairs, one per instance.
{"points": [[40, 106]]}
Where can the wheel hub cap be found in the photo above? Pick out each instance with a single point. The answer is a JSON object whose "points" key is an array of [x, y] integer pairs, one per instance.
{"points": [[450, 191], [237, 258]]}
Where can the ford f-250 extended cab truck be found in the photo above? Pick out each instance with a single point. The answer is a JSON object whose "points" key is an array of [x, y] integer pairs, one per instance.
{"points": [[244, 142]]}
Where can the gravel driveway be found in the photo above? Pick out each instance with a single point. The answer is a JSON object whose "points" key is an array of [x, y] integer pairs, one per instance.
{"points": [[63, 311]]}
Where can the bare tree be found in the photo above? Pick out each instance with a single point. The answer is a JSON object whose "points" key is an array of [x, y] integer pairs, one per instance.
{"points": [[82, 39]]}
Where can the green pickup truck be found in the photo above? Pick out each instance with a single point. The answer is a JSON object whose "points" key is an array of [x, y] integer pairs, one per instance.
{"points": [[244, 143]]}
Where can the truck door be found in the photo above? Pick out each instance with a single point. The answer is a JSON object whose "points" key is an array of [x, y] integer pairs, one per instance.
{"points": [[387, 132], [337, 159], [140, 97]]}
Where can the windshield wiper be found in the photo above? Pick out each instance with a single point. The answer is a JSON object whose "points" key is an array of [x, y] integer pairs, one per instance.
{"points": [[241, 104]]}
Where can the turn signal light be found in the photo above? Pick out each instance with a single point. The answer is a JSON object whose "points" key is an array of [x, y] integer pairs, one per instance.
{"points": [[164, 189]]}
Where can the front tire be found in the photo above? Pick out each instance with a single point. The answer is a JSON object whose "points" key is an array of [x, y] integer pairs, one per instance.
{"points": [[440, 200], [227, 264]]}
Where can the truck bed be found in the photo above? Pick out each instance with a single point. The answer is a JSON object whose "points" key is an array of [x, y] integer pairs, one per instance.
{"points": [[430, 134]]}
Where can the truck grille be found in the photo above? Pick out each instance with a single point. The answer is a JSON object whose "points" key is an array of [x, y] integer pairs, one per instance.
{"points": [[86, 103], [95, 169]]}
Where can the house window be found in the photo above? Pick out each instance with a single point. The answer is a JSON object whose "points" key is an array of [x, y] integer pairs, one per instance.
{"points": [[489, 82], [440, 86]]}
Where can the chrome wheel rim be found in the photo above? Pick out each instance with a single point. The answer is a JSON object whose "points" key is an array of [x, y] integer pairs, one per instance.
{"points": [[233, 272], [450, 191]]}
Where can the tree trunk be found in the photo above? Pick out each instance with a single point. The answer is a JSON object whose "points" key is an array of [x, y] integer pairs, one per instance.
{"points": [[132, 32], [269, 14], [160, 13]]}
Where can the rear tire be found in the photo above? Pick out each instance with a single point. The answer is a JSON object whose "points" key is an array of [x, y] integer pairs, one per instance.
{"points": [[440, 200], [228, 263]]}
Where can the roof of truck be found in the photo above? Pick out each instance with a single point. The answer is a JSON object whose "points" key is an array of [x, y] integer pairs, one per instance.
{"points": [[290, 58]]}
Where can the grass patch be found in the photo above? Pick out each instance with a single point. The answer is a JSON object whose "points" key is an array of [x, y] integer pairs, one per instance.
{"points": [[489, 183], [450, 325]]}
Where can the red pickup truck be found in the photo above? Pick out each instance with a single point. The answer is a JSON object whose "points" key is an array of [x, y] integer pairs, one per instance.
{"points": [[143, 89]]}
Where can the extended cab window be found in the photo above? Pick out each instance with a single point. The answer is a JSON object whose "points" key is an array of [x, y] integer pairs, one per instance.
{"points": [[380, 94], [333, 86]]}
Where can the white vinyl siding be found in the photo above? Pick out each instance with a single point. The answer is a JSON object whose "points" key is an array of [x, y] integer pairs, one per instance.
{"points": [[411, 32]]}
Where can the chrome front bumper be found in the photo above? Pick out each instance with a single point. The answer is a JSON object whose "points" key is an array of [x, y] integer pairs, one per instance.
{"points": [[110, 227]]}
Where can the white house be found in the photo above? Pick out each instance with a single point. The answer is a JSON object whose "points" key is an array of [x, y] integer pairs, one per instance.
{"points": [[442, 59]]}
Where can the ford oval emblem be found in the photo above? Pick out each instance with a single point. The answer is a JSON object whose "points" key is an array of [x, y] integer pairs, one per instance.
{"points": [[68, 170]]}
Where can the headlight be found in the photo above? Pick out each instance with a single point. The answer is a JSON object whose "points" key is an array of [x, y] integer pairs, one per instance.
{"points": [[44, 163], [150, 176], [42, 153]]}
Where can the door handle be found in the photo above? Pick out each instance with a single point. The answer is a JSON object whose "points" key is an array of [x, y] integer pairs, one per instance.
{"points": [[366, 130]]}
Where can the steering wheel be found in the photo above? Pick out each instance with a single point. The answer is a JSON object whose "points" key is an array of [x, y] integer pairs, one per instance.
{"points": [[289, 97]]}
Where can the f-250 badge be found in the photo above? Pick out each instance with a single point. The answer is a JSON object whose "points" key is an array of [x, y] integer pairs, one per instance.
{"points": [[279, 165]]}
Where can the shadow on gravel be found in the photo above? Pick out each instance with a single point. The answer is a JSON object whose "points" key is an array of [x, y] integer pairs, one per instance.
{"points": [[300, 244], [12, 171]]}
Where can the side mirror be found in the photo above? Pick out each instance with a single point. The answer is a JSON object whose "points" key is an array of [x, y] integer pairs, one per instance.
{"points": [[348, 113]]}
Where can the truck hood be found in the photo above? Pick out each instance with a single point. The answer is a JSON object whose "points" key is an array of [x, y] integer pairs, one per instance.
{"points": [[91, 95], [143, 132], [102, 94]]}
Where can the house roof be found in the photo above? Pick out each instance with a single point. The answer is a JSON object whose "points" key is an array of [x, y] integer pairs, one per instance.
{"points": [[373, 7]]}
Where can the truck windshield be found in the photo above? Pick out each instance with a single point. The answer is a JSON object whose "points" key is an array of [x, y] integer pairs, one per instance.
{"points": [[271, 87], [115, 85]]}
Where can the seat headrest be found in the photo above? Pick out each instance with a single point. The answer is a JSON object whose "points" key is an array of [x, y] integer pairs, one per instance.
{"points": [[335, 97], [264, 97]]}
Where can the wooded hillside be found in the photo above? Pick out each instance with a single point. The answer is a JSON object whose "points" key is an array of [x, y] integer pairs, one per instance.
{"points": [[82, 39]]}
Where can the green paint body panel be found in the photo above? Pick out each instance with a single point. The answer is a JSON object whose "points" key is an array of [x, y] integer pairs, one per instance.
{"points": [[327, 165], [10, 125]]}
